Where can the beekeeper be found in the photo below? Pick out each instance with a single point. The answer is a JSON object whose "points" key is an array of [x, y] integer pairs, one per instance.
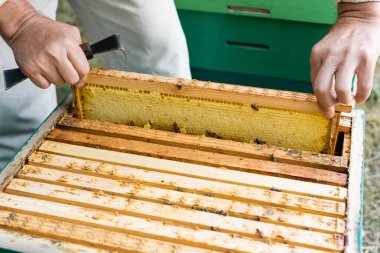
{"points": [[48, 52]]}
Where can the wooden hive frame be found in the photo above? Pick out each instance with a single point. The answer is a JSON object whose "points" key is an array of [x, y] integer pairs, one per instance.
{"points": [[87, 185]]}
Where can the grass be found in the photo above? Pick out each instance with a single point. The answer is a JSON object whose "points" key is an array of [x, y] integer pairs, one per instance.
{"points": [[371, 225]]}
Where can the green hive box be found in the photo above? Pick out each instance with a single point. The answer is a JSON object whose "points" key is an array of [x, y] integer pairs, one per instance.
{"points": [[265, 43]]}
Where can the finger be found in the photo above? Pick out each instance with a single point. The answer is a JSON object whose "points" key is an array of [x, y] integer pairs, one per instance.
{"points": [[315, 63], [53, 76], [80, 84], [68, 72], [323, 89], [79, 61], [76, 34], [40, 81], [343, 83], [365, 73]]}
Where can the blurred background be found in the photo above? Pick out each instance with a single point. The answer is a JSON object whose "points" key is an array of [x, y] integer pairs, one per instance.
{"points": [[371, 225]]}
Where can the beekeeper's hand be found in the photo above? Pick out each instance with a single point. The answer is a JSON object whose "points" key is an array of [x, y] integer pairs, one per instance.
{"points": [[46, 51], [352, 46]]}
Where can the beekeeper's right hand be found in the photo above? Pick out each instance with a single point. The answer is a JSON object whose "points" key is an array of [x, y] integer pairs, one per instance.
{"points": [[47, 51]]}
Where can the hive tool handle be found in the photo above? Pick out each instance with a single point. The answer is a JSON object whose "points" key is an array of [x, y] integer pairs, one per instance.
{"points": [[113, 42]]}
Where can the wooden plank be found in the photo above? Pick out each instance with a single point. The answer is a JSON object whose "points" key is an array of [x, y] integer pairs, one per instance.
{"points": [[88, 236], [345, 124], [334, 133], [355, 185], [164, 212], [136, 226], [174, 214], [34, 141], [264, 210], [288, 100], [78, 108], [200, 157], [12, 241], [198, 171], [190, 198], [346, 150], [264, 152]]}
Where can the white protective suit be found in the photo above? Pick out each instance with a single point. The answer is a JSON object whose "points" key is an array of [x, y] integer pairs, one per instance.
{"points": [[25, 106], [153, 38]]}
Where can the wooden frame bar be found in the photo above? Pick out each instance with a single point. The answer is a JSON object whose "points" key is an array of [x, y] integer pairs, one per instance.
{"points": [[199, 171], [355, 184], [245, 194], [208, 90], [263, 152], [199, 157], [345, 124], [251, 211], [164, 212], [334, 132], [132, 225], [14, 239], [84, 235]]}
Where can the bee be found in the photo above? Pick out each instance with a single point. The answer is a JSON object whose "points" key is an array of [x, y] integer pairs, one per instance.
{"points": [[259, 141], [167, 202], [56, 242], [176, 128], [86, 167], [222, 212], [214, 229], [131, 123], [260, 233], [254, 107], [179, 84], [275, 189], [213, 135], [12, 216]]}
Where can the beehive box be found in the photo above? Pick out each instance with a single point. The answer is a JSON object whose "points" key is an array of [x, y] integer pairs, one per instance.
{"points": [[157, 164], [252, 42]]}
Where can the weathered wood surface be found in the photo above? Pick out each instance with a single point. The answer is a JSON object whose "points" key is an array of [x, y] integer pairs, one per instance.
{"points": [[345, 124], [136, 226], [272, 206], [263, 152], [14, 239], [335, 123], [198, 171], [346, 150], [124, 187], [89, 236], [174, 215], [200, 157], [355, 185]]}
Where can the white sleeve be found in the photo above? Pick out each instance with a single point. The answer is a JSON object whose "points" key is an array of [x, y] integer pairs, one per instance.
{"points": [[2, 2]]}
